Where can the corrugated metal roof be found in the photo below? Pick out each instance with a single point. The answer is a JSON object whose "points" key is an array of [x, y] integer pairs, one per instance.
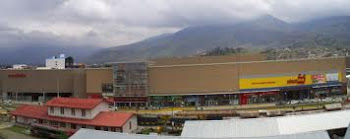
{"points": [[268, 126], [98, 134]]}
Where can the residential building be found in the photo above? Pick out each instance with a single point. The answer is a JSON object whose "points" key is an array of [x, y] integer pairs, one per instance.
{"points": [[56, 62]]}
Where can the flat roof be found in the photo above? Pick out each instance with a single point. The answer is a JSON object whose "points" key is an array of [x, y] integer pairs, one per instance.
{"points": [[268, 126], [95, 134], [243, 62]]}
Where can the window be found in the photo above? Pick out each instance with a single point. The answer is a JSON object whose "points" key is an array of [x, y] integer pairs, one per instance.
{"points": [[62, 124], [73, 126], [83, 113], [83, 126], [40, 121], [97, 128], [113, 129], [62, 111], [130, 125], [73, 111], [107, 88], [51, 110], [105, 128]]}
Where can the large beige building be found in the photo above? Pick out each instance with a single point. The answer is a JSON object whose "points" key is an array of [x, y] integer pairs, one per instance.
{"points": [[212, 80]]}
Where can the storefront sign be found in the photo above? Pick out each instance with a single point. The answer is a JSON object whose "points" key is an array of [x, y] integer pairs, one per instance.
{"points": [[17, 75], [270, 82], [285, 81], [318, 78]]}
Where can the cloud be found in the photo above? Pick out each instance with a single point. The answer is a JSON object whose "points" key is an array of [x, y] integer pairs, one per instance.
{"points": [[105, 23]]}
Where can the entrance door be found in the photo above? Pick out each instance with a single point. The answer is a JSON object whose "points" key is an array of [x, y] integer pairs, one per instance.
{"points": [[244, 99]]}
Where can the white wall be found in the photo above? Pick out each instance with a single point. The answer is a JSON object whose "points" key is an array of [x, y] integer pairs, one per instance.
{"points": [[67, 113], [24, 120], [89, 114], [126, 126], [57, 63], [100, 107]]}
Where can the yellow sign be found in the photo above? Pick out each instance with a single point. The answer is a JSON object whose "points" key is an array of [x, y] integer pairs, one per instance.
{"points": [[270, 82]]}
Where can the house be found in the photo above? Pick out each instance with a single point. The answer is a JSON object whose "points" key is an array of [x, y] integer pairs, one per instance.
{"points": [[71, 114]]}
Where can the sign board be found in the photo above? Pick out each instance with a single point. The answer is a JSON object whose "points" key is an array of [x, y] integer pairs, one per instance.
{"points": [[17, 75], [318, 78], [285, 81]]}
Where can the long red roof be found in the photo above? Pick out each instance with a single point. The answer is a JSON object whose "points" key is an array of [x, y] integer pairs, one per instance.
{"points": [[109, 119], [74, 102]]}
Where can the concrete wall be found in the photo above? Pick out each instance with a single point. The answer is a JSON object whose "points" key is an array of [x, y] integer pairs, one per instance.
{"points": [[40, 81], [96, 77], [211, 78], [133, 122], [24, 120]]}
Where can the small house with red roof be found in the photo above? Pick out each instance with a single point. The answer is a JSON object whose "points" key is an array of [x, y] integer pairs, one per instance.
{"points": [[70, 114]]}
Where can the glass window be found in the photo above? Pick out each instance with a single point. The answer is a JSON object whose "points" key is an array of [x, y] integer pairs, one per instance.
{"points": [[83, 113], [130, 126], [73, 126], [73, 111], [40, 121], [62, 124], [107, 87], [113, 129], [51, 110], [105, 128], [62, 111]]}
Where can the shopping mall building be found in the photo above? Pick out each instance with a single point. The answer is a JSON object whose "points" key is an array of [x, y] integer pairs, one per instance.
{"points": [[192, 81]]}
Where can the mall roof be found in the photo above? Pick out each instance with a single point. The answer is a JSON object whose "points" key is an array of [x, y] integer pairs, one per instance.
{"points": [[109, 119], [95, 134], [74, 102], [268, 126]]}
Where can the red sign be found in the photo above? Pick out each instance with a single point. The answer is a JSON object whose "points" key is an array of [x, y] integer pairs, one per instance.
{"points": [[17, 75]]}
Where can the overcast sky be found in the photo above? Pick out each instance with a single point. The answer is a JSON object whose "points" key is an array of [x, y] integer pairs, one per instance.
{"points": [[106, 23]]}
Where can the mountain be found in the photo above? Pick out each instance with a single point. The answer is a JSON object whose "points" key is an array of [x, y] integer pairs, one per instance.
{"points": [[266, 31], [36, 55]]}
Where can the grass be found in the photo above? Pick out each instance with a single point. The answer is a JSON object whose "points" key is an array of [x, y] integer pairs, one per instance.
{"points": [[17, 129]]}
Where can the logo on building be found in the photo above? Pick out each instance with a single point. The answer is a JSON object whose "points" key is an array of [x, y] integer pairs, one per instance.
{"points": [[300, 79], [17, 75]]}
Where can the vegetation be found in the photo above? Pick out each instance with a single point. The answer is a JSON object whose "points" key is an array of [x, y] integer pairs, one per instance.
{"points": [[226, 51], [17, 129]]}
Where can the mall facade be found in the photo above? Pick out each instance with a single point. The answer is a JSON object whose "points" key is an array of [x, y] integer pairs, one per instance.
{"points": [[191, 81]]}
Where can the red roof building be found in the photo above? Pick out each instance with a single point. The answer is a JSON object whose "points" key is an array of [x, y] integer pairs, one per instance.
{"points": [[70, 114], [74, 103]]}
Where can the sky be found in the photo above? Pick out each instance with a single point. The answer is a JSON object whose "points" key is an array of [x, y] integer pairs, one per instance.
{"points": [[107, 23]]}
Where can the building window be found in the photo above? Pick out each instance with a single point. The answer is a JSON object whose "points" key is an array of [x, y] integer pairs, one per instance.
{"points": [[62, 124], [130, 125], [73, 126], [83, 113], [107, 88], [62, 111], [105, 128], [97, 128], [51, 110], [113, 129], [73, 111], [40, 121], [83, 126]]}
